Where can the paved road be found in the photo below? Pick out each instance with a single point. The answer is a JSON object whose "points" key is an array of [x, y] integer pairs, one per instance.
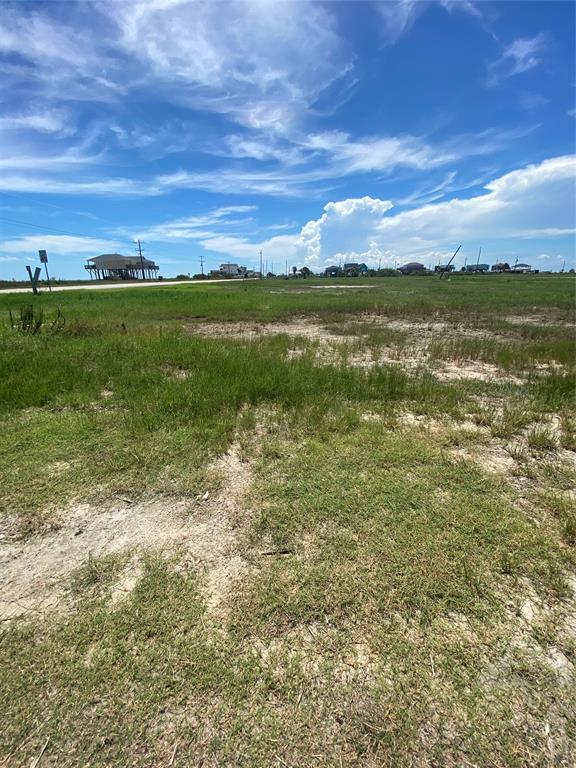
{"points": [[109, 286]]}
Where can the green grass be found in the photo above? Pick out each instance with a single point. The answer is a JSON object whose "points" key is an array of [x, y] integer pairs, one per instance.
{"points": [[415, 600]]}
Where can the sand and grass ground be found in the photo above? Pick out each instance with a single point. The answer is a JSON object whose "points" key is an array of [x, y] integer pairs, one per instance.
{"points": [[291, 524]]}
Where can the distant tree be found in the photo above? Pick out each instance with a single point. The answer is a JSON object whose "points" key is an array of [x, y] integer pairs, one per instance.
{"points": [[182, 277], [294, 270], [305, 272]]}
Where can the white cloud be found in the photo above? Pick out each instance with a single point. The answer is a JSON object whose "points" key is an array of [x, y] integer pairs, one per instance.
{"points": [[262, 63], [534, 202], [398, 16], [276, 250], [519, 56], [49, 121], [194, 227], [344, 227], [61, 245]]}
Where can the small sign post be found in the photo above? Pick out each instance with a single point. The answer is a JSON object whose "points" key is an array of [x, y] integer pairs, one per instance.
{"points": [[34, 277], [44, 260]]}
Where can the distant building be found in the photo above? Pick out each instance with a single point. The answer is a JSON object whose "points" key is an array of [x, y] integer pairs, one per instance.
{"points": [[478, 268], [500, 266], [232, 271], [444, 268], [412, 268], [353, 269], [522, 268], [114, 266]]}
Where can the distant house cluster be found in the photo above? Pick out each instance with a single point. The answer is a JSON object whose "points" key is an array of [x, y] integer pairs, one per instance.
{"points": [[351, 269], [232, 271], [503, 266], [114, 266], [415, 268]]}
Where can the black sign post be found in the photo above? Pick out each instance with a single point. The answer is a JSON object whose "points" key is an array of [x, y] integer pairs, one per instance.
{"points": [[33, 277], [44, 260]]}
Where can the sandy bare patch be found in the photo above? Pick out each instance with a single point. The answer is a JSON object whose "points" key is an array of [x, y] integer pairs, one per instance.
{"points": [[306, 288], [33, 573], [127, 582], [475, 370], [250, 331], [491, 458], [409, 419], [537, 320]]}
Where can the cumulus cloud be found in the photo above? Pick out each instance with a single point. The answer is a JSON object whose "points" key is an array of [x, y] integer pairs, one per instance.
{"points": [[533, 202], [538, 200], [277, 250], [344, 227]]}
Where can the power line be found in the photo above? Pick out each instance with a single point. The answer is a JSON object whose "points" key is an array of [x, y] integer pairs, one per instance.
{"points": [[36, 201]]}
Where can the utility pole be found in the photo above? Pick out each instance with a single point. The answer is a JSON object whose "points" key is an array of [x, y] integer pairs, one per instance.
{"points": [[261, 264], [478, 259], [201, 264], [450, 262], [286, 267], [141, 260], [563, 265]]}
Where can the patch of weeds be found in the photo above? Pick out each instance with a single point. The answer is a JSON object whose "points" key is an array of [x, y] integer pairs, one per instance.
{"points": [[541, 438], [563, 507], [30, 320], [568, 431], [97, 574], [402, 530], [518, 452], [510, 421]]}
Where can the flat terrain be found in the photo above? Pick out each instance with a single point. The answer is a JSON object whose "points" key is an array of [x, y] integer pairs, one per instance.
{"points": [[290, 524]]}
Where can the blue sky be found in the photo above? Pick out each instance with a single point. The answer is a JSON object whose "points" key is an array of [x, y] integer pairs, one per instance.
{"points": [[318, 132]]}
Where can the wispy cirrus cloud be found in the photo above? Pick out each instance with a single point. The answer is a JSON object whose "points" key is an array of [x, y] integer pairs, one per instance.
{"points": [[51, 121], [398, 16], [261, 64], [520, 56], [63, 245], [195, 227], [324, 160]]}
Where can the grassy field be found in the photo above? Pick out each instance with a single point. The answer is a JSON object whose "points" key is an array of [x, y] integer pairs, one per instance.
{"points": [[290, 523]]}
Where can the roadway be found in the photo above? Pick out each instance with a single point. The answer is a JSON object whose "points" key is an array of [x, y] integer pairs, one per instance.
{"points": [[97, 285]]}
